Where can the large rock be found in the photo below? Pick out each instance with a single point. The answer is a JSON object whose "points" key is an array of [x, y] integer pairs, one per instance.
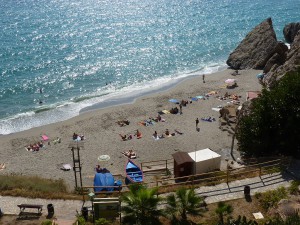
{"points": [[290, 31], [291, 64], [278, 58], [256, 49]]}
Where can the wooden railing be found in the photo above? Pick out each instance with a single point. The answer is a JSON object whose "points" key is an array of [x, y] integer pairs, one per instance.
{"points": [[204, 179]]}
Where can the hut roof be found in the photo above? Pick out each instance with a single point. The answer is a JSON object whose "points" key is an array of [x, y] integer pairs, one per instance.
{"points": [[182, 157]]}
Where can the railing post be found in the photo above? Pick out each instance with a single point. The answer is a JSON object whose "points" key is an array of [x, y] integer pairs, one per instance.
{"points": [[227, 177], [166, 166], [259, 171]]}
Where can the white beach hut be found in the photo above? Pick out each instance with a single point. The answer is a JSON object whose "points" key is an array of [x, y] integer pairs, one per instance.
{"points": [[205, 160]]}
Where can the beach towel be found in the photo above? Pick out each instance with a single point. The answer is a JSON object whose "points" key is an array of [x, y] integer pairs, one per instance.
{"points": [[45, 137], [66, 167], [166, 111], [216, 109]]}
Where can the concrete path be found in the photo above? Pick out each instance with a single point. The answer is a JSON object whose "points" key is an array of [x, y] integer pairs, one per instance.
{"points": [[235, 189], [66, 210]]}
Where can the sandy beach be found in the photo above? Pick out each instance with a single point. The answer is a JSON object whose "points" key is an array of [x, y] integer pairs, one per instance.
{"points": [[102, 132]]}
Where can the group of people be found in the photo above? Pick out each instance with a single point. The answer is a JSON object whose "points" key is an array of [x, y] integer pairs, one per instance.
{"points": [[78, 137], [35, 147], [123, 123], [130, 154], [125, 137], [98, 169], [165, 134]]}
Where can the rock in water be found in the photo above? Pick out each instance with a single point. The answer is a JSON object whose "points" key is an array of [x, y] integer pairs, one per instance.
{"points": [[256, 49]]}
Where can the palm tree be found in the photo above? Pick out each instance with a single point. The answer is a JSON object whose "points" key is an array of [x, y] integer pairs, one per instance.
{"points": [[184, 202], [141, 206], [223, 209]]}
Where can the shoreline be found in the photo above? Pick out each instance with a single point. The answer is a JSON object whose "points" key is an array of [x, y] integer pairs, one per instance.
{"points": [[102, 132], [48, 114]]}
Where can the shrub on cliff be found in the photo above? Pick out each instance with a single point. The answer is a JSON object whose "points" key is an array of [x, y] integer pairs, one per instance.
{"points": [[273, 125]]}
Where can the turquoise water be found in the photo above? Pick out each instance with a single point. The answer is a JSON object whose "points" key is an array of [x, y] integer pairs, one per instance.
{"points": [[74, 54]]}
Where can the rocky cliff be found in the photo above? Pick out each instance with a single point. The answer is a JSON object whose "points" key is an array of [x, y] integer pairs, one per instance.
{"points": [[256, 49], [290, 31], [291, 63]]}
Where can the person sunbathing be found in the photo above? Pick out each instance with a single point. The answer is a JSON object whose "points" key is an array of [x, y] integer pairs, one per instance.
{"points": [[98, 169], [158, 117], [130, 154], [124, 137], [138, 134], [167, 132], [75, 136]]}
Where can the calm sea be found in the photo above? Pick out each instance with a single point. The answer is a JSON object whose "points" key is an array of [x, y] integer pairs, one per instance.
{"points": [[70, 55]]}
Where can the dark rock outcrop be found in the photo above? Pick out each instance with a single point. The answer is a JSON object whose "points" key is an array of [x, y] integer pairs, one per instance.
{"points": [[256, 49], [291, 64], [290, 31], [278, 58]]}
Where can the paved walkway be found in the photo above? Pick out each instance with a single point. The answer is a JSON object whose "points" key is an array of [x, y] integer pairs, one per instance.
{"points": [[66, 210]]}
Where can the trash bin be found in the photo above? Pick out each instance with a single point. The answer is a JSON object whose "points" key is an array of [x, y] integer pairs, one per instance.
{"points": [[85, 213], [247, 190], [50, 209]]}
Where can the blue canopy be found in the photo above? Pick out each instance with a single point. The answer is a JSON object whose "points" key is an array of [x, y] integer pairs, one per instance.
{"points": [[103, 179], [260, 75], [173, 100]]}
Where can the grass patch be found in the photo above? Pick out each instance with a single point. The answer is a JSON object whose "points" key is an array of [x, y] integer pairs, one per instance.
{"points": [[270, 199], [294, 187], [34, 187]]}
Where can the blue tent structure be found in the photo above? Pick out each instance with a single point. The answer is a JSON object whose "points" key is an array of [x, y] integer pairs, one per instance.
{"points": [[103, 179]]}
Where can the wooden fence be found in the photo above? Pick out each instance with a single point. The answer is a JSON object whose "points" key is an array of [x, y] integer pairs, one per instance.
{"points": [[169, 183]]}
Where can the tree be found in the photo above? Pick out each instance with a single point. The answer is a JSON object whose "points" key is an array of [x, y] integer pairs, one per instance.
{"points": [[222, 210], [273, 125], [241, 221], [141, 206], [183, 202]]}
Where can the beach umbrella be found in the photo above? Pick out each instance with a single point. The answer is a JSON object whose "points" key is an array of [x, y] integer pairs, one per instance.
{"points": [[173, 100], [103, 158], [260, 75], [230, 81]]}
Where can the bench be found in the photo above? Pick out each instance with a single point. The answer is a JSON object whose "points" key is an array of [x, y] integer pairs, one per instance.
{"points": [[30, 206]]}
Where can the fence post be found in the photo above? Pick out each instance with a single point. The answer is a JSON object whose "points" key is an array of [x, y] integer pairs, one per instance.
{"points": [[166, 166], [259, 171], [227, 177]]}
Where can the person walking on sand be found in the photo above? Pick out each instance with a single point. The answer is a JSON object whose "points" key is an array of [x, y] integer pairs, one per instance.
{"points": [[197, 123], [180, 108], [203, 78]]}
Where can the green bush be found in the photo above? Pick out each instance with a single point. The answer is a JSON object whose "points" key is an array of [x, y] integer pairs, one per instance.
{"points": [[271, 198], [102, 221], [46, 222], [294, 187]]}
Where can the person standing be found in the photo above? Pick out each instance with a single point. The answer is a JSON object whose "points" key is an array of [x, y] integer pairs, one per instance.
{"points": [[203, 78], [197, 123], [180, 108]]}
